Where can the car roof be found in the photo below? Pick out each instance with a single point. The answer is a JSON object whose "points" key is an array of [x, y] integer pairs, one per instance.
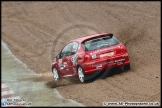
{"points": [[90, 36]]}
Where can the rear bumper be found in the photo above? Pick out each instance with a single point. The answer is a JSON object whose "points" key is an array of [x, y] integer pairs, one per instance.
{"points": [[103, 64]]}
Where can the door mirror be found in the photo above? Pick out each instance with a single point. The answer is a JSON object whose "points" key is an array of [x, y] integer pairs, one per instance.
{"points": [[58, 56]]}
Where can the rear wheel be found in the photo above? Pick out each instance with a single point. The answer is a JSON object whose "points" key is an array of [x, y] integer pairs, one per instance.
{"points": [[56, 74], [81, 74]]}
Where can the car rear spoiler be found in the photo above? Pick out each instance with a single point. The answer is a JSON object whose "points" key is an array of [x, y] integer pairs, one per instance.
{"points": [[105, 34]]}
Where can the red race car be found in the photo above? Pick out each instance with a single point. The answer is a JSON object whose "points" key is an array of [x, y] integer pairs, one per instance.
{"points": [[85, 55]]}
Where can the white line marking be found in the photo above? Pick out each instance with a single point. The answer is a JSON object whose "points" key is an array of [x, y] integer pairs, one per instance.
{"points": [[7, 93], [15, 97], [4, 86]]}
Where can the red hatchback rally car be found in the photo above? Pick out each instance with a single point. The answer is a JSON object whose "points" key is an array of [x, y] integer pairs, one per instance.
{"points": [[87, 54]]}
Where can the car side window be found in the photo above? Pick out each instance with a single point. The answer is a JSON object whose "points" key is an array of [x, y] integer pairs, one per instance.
{"points": [[66, 51], [74, 47]]}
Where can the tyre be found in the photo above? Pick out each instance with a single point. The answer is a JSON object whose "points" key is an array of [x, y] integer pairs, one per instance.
{"points": [[81, 74], [55, 74]]}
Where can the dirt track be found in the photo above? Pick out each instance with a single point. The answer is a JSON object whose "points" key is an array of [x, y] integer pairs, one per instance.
{"points": [[31, 28]]}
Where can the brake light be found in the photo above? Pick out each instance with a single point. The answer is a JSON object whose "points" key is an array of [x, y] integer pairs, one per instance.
{"points": [[122, 49], [90, 56]]}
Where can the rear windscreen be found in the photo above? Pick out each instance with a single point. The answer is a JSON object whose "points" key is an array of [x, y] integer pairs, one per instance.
{"points": [[99, 42]]}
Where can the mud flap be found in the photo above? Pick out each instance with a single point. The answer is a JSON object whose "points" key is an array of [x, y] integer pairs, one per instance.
{"points": [[122, 68], [127, 67]]}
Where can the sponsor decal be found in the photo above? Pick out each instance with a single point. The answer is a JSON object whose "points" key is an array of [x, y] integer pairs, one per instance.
{"points": [[89, 63], [98, 66], [107, 54], [60, 64], [120, 60], [115, 61], [74, 70], [74, 59]]}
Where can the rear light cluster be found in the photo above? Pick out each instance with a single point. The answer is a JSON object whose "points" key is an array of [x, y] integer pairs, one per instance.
{"points": [[123, 51], [87, 57], [90, 56]]}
